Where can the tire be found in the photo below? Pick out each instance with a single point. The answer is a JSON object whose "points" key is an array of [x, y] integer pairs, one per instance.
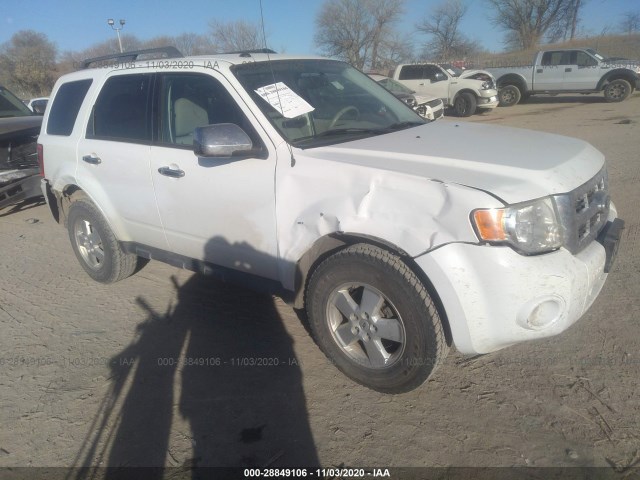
{"points": [[509, 95], [374, 319], [464, 104], [617, 90], [95, 245]]}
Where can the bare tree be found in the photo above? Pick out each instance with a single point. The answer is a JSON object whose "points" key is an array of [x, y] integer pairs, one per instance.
{"points": [[527, 21], [566, 25], [28, 62], [360, 31], [193, 44], [234, 36], [630, 22], [443, 26]]}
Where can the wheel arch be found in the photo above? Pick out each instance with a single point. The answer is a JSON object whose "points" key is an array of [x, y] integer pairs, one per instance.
{"points": [[332, 243], [515, 80], [464, 90], [617, 74]]}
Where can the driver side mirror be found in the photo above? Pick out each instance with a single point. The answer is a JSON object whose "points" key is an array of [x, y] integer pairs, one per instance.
{"points": [[221, 140]]}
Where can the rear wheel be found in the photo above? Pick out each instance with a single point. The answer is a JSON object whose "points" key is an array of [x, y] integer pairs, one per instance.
{"points": [[509, 95], [464, 104], [617, 90], [375, 320], [95, 245]]}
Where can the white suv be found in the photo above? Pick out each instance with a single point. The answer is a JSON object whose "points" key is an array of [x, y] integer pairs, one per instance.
{"points": [[303, 175]]}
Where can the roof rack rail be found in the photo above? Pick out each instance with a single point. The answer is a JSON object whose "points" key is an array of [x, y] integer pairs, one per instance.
{"points": [[162, 52], [247, 53]]}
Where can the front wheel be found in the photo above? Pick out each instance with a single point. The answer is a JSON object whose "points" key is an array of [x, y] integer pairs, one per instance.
{"points": [[375, 320], [95, 245], [617, 90], [509, 95], [465, 104]]}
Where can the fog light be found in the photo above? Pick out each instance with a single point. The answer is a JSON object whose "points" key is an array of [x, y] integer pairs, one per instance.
{"points": [[541, 312]]}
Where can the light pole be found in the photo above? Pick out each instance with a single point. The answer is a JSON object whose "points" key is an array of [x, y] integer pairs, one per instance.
{"points": [[117, 29]]}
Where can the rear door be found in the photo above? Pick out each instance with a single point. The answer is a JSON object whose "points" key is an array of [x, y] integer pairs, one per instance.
{"points": [[549, 75], [113, 158]]}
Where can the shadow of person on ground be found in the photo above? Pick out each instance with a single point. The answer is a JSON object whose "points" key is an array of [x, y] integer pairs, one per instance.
{"points": [[221, 359]]}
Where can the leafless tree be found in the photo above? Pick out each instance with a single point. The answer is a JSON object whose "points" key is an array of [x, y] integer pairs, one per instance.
{"points": [[566, 26], [193, 44], [360, 31], [527, 21], [28, 63], [443, 26], [234, 36], [630, 22]]}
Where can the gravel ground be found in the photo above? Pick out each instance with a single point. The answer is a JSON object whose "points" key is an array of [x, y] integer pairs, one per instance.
{"points": [[168, 368]]}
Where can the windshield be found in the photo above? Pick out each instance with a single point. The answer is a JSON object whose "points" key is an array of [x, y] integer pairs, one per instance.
{"points": [[11, 106], [320, 102], [452, 70], [394, 86], [595, 54]]}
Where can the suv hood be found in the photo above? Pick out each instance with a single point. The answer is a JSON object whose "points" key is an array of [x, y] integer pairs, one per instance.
{"points": [[513, 164]]}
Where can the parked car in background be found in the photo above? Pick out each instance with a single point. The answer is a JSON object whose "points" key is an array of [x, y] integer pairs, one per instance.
{"points": [[465, 91], [19, 129], [427, 106], [38, 105], [568, 71]]}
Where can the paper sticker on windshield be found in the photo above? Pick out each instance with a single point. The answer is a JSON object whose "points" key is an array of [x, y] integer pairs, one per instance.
{"points": [[285, 100]]}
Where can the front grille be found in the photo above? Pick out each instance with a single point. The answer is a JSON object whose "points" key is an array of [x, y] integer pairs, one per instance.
{"points": [[584, 211], [434, 103]]}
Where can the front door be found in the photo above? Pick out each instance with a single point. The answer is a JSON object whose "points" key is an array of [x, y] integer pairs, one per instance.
{"points": [[221, 210]]}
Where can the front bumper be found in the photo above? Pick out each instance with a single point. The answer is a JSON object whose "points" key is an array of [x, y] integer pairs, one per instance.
{"points": [[495, 297], [488, 102]]}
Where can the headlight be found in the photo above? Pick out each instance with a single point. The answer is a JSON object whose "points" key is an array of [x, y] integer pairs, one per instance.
{"points": [[529, 228], [486, 85], [410, 101]]}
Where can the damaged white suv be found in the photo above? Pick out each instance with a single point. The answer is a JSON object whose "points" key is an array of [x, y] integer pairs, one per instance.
{"points": [[396, 235]]}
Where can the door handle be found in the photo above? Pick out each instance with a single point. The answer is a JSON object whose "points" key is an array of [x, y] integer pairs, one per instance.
{"points": [[568, 69], [170, 172], [92, 159]]}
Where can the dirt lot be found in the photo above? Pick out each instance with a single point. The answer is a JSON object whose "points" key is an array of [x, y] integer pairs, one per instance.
{"points": [[157, 369]]}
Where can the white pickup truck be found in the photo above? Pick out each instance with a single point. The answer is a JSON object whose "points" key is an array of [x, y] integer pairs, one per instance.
{"points": [[465, 91], [568, 71], [305, 176]]}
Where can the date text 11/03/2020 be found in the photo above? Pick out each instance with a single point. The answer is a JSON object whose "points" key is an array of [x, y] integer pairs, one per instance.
{"points": [[323, 473]]}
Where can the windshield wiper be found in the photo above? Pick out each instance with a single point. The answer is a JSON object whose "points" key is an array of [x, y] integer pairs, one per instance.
{"points": [[403, 125], [347, 131]]}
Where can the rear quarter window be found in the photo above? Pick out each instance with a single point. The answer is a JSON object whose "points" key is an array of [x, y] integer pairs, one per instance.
{"points": [[66, 106]]}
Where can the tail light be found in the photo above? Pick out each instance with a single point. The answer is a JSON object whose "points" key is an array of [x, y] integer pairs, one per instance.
{"points": [[41, 159]]}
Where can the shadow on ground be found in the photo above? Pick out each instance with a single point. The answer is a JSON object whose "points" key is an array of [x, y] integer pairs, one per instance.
{"points": [[221, 359]]}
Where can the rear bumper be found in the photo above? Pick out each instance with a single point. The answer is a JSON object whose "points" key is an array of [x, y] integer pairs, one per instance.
{"points": [[18, 185]]}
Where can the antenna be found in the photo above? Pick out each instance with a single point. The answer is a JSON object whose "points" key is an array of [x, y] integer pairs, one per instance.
{"points": [[273, 75]]}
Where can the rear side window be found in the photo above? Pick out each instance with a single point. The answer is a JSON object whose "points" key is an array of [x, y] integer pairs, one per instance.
{"points": [[121, 111], [66, 106]]}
